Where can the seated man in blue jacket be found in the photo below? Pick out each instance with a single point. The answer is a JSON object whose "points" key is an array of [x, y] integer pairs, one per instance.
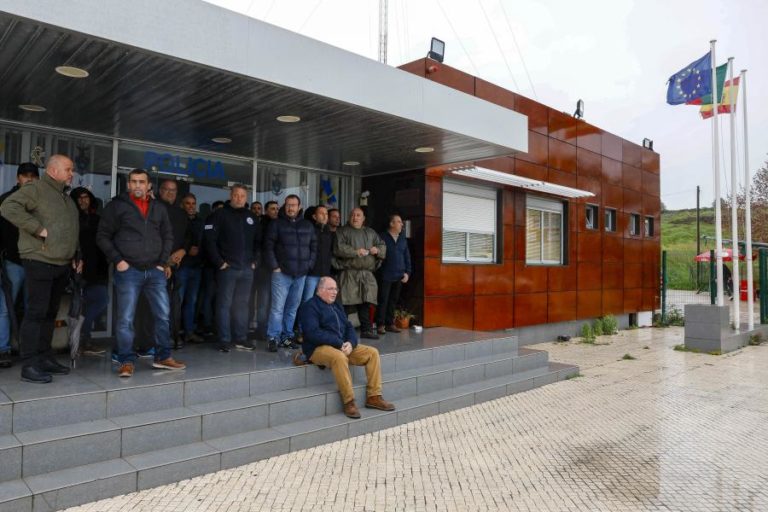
{"points": [[330, 340]]}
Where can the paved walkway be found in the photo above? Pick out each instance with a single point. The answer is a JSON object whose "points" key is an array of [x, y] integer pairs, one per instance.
{"points": [[666, 431]]}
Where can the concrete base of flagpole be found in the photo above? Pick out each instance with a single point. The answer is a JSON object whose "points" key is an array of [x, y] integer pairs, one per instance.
{"points": [[708, 329]]}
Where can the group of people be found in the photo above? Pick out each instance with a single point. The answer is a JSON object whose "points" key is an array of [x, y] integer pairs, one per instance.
{"points": [[293, 275]]}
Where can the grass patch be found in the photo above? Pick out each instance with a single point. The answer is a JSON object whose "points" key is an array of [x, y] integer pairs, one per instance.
{"points": [[756, 339], [574, 376], [628, 357], [646, 347], [683, 348]]}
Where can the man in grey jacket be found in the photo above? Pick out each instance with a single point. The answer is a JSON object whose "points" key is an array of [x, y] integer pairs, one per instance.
{"points": [[48, 223]]}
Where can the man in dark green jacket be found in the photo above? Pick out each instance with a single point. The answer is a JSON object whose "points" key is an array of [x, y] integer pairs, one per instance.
{"points": [[48, 224]]}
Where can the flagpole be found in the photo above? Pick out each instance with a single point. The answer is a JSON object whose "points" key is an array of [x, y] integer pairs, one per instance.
{"points": [[748, 210], [736, 288], [716, 175]]}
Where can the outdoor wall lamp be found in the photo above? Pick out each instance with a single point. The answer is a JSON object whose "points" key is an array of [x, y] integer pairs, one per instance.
{"points": [[579, 114], [648, 144]]}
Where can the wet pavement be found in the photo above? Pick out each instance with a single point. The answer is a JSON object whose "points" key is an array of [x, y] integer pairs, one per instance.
{"points": [[644, 428]]}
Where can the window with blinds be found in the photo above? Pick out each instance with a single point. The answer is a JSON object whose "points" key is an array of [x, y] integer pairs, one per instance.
{"points": [[469, 223], [543, 231]]}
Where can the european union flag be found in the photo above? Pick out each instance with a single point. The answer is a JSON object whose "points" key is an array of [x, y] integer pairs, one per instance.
{"points": [[691, 82]]}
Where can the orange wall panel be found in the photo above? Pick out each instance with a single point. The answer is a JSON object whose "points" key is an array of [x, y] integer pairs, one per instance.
{"points": [[562, 127], [530, 309], [613, 276], [590, 246], [613, 197], [433, 237], [633, 299], [456, 312], [631, 178], [589, 303], [494, 312], [447, 279], [612, 146], [562, 156], [495, 279], [530, 278], [612, 171], [561, 306], [613, 302], [633, 275], [589, 164], [562, 279], [494, 94], [590, 275], [529, 170], [538, 149], [632, 154], [589, 137], [537, 114], [613, 247], [651, 161]]}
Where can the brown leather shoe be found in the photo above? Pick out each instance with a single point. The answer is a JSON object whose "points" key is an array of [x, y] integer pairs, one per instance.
{"points": [[393, 328], [126, 370], [351, 410], [169, 364], [299, 359], [381, 330], [377, 402]]}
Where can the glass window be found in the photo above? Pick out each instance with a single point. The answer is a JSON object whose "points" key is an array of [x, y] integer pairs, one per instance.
{"points": [[610, 219], [591, 216], [634, 224], [649, 226], [544, 231], [469, 223], [275, 183]]}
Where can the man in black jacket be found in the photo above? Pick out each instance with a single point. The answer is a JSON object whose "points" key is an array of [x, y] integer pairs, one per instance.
{"points": [[190, 272], [232, 240], [136, 236], [291, 250], [13, 271], [324, 252], [263, 275]]}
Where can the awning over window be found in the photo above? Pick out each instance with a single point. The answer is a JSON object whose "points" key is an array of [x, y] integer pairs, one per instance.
{"points": [[504, 178]]}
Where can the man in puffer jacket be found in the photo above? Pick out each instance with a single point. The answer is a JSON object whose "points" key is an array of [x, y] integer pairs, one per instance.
{"points": [[291, 249], [49, 229]]}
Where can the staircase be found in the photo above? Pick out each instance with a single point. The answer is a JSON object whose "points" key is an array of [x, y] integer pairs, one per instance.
{"points": [[70, 449]]}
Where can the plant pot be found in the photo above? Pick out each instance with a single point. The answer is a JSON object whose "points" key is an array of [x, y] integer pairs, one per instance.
{"points": [[403, 323]]}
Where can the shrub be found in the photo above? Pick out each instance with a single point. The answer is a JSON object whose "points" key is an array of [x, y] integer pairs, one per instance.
{"points": [[610, 324], [597, 327], [587, 335], [756, 339]]}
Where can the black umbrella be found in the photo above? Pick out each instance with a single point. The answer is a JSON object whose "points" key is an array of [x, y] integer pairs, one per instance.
{"points": [[75, 317]]}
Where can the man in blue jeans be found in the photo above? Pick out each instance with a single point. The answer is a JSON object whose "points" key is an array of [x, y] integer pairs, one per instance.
{"points": [[136, 236], [290, 248], [232, 243], [13, 271]]}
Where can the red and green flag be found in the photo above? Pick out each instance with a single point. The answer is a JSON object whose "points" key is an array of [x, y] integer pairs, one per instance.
{"points": [[723, 101]]}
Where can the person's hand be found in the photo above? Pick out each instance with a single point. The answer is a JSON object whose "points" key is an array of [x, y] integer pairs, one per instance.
{"points": [[194, 250], [253, 266], [166, 270], [177, 256], [362, 251], [277, 269], [43, 233], [404, 279], [224, 266], [374, 250], [122, 266], [77, 265], [346, 348]]}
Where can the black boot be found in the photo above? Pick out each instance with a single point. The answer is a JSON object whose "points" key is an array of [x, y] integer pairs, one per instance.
{"points": [[35, 375]]}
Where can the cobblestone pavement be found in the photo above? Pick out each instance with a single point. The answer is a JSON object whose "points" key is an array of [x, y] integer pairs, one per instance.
{"points": [[666, 431]]}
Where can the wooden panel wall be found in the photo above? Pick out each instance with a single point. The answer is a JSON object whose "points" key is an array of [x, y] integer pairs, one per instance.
{"points": [[606, 272]]}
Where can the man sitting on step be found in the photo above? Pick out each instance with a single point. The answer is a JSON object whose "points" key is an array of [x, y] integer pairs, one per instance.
{"points": [[330, 341]]}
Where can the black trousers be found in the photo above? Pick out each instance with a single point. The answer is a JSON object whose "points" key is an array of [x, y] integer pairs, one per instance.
{"points": [[44, 284], [389, 294], [363, 314]]}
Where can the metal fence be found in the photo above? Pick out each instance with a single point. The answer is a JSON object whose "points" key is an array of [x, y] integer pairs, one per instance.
{"points": [[686, 281]]}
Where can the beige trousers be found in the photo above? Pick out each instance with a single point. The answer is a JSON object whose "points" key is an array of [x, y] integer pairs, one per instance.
{"points": [[362, 355]]}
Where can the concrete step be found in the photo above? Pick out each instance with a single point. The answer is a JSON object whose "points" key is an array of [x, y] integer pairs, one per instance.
{"points": [[77, 444], [57, 467]]}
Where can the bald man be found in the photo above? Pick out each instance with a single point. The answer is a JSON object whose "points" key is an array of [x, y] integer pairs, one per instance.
{"points": [[49, 234]]}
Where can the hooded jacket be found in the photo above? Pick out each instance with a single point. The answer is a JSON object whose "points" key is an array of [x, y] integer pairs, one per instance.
{"points": [[95, 265], [291, 245], [124, 233], [44, 204]]}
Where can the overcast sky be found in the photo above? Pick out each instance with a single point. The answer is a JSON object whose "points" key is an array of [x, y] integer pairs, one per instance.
{"points": [[616, 55]]}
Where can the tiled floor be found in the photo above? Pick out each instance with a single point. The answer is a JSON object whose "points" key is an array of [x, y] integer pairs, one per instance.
{"points": [[204, 361], [666, 431]]}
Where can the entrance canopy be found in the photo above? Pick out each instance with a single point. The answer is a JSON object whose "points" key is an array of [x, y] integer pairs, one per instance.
{"points": [[183, 72]]}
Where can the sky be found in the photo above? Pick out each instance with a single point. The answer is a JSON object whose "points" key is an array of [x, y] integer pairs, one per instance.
{"points": [[616, 55]]}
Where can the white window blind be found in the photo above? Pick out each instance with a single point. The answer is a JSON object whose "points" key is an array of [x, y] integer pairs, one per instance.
{"points": [[544, 231], [469, 223]]}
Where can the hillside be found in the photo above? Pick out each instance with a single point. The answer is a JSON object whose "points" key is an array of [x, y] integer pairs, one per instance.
{"points": [[678, 228]]}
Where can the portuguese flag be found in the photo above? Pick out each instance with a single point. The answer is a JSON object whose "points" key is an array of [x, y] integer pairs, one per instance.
{"points": [[706, 100], [724, 107]]}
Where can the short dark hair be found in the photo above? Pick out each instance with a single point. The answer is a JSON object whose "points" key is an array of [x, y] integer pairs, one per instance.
{"points": [[255, 203], [188, 195], [292, 196], [168, 180], [268, 203], [136, 172], [392, 216], [240, 186], [217, 204], [331, 210]]}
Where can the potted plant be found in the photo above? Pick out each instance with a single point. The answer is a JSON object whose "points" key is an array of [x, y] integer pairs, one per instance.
{"points": [[403, 318]]}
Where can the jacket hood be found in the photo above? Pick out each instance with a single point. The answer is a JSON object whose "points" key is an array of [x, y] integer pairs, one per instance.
{"points": [[79, 191]]}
